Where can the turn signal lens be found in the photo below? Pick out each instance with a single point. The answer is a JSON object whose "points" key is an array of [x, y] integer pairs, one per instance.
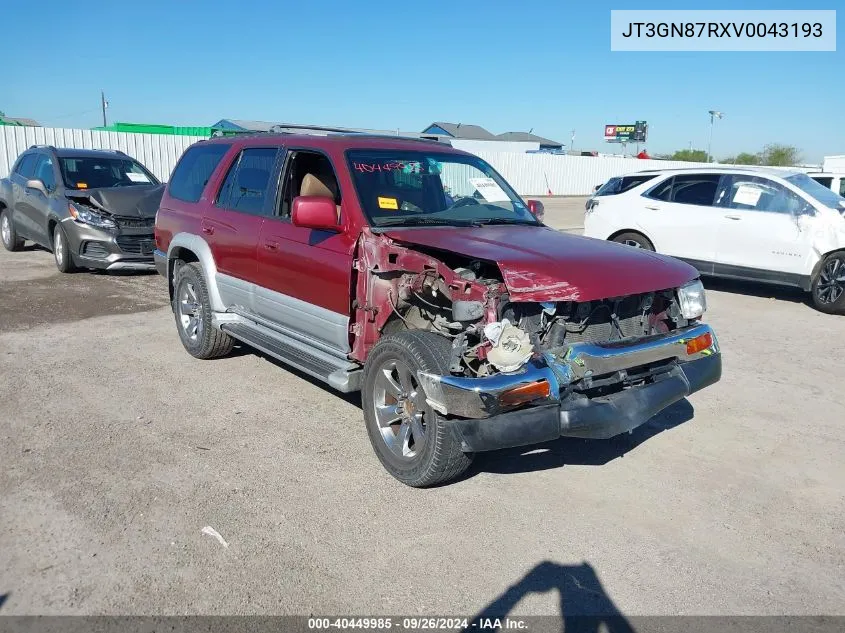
{"points": [[73, 212], [699, 343], [525, 393]]}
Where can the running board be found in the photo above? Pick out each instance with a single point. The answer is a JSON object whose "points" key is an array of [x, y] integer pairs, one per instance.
{"points": [[339, 373]]}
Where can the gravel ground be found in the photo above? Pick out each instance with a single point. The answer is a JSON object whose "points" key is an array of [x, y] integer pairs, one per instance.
{"points": [[118, 448]]}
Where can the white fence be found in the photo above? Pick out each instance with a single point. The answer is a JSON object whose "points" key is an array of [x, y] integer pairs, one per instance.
{"points": [[530, 174], [158, 152]]}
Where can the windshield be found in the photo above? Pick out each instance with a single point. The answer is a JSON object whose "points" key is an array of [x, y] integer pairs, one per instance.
{"points": [[821, 193], [92, 172], [408, 188]]}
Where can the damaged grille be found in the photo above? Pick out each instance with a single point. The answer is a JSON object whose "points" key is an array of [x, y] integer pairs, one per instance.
{"points": [[136, 244], [134, 223]]}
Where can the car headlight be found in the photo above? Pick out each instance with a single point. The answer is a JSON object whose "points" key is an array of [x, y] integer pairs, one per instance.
{"points": [[692, 300], [87, 216]]}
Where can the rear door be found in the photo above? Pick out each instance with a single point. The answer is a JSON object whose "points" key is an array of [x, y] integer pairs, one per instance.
{"points": [[679, 216], [764, 228], [305, 275], [21, 214], [232, 224]]}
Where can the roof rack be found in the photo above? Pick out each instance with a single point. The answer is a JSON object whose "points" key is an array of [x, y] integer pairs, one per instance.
{"points": [[330, 131], [42, 147]]}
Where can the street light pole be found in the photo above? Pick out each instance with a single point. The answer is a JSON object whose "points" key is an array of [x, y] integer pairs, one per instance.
{"points": [[714, 114]]}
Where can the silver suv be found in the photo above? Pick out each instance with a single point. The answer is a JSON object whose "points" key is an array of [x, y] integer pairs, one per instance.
{"points": [[91, 208]]}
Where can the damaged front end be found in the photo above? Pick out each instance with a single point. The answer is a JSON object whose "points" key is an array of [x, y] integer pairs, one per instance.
{"points": [[525, 372]]}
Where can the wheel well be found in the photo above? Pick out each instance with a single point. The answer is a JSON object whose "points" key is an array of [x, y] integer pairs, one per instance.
{"points": [[819, 263], [635, 232], [179, 254]]}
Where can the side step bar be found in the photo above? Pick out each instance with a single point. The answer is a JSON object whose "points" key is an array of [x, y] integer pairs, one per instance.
{"points": [[339, 373]]}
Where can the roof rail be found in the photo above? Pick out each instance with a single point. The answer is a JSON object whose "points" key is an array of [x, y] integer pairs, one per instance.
{"points": [[42, 147]]}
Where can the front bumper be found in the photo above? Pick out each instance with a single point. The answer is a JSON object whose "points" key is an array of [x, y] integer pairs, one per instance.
{"points": [[105, 249], [641, 377]]}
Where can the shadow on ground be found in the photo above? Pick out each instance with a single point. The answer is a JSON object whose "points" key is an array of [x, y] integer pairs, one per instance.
{"points": [[584, 605], [3, 599], [754, 289]]}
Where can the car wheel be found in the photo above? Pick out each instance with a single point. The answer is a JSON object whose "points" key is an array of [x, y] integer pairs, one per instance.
{"points": [[192, 310], [413, 442], [61, 251], [635, 240], [11, 241], [829, 285]]}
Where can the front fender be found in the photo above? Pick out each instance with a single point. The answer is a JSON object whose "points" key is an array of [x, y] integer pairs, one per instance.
{"points": [[199, 247]]}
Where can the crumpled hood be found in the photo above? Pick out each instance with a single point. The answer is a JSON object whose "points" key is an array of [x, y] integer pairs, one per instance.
{"points": [[542, 264], [135, 202]]}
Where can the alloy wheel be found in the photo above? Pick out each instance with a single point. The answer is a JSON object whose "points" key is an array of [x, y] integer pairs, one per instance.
{"points": [[6, 230], [58, 247], [400, 406], [831, 282], [190, 310], [633, 243]]}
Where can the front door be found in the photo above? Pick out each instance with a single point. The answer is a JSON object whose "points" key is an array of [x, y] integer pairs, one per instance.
{"points": [[305, 275], [679, 216], [35, 205], [764, 229]]}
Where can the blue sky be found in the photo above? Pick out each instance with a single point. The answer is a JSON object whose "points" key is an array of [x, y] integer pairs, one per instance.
{"points": [[504, 65]]}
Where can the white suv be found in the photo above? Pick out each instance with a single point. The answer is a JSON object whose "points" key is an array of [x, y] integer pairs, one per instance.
{"points": [[759, 224]]}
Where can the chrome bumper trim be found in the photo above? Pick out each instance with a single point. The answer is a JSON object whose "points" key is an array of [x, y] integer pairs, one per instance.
{"points": [[479, 397]]}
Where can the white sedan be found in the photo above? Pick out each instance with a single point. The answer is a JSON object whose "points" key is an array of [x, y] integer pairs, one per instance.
{"points": [[767, 225]]}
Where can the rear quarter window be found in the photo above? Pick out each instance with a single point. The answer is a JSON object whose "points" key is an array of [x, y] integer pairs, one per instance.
{"points": [[194, 169], [26, 165]]}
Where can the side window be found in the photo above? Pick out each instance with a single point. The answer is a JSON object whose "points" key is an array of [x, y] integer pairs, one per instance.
{"points": [[45, 173], [698, 189], [663, 191], [26, 166], [308, 174], [194, 169], [842, 186], [245, 187], [754, 193], [824, 180]]}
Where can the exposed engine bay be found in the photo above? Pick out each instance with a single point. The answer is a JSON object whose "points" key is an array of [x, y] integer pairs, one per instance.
{"points": [[468, 302]]}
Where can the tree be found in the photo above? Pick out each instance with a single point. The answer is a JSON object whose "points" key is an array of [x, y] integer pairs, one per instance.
{"points": [[690, 155], [779, 155], [744, 158]]}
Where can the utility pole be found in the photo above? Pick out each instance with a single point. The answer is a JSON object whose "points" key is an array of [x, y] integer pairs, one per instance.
{"points": [[714, 114], [572, 142], [105, 105]]}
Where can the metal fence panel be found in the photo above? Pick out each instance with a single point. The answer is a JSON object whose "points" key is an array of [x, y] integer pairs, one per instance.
{"points": [[158, 152]]}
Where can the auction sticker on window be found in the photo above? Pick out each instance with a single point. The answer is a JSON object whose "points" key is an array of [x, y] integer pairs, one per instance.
{"points": [[489, 189], [134, 177], [388, 203], [747, 195]]}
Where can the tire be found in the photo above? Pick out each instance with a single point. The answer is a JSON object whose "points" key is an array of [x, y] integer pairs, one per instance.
{"points": [[10, 239], [61, 251], [828, 286], [412, 441], [192, 311], [635, 240]]}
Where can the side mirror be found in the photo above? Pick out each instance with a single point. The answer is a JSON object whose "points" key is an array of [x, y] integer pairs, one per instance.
{"points": [[37, 185], [536, 207], [597, 188], [314, 212]]}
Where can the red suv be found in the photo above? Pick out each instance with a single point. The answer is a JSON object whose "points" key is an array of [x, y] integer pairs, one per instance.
{"points": [[413, 272]]}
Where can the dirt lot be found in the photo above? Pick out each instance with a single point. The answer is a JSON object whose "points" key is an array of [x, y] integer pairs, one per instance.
{"points": [[117, 448]]}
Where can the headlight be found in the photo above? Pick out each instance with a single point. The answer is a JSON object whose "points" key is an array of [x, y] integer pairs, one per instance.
{"points": [[87, 216], [691, 299]]}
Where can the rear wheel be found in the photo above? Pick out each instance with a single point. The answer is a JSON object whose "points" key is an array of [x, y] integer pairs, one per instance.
{"points": [[192, 310], [635, 240], [61, 251], [412, 441], [11, 241], [829, 285]]}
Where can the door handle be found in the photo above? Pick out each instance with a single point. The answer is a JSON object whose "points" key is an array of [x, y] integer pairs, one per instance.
{"points": [[208, 230], [652, 208], [271, 246], [733, 217]]}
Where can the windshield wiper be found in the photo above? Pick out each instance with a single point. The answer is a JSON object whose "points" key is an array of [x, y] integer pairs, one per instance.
{"points": [[490, 221], [421, 221]]}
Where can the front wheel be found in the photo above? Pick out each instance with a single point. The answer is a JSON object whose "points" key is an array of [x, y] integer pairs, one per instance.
{"points": [[192, 310], [829, 285], [61, 251], [412, 441]]}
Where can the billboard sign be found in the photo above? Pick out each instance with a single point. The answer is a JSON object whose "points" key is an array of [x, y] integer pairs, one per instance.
{"points": [[627, 133]]}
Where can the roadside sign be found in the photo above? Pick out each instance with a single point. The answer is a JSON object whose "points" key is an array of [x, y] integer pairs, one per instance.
{"points": [[626, 133]]}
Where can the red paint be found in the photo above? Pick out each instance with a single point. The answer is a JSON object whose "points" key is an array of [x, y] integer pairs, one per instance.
{"points": [[542, 264]]}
